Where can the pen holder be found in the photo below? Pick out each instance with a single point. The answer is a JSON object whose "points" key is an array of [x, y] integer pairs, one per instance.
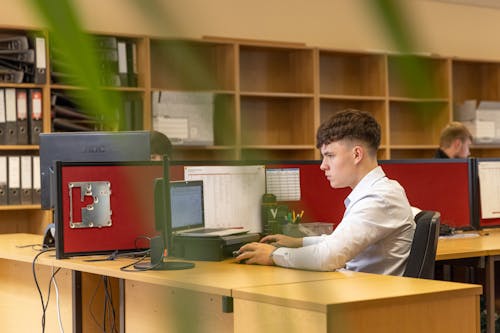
{"points": [[292, 229]]}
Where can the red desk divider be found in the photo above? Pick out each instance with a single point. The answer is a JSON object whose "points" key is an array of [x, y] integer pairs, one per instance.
{"points": [[444, 185], [441, 185], [131, 202]]}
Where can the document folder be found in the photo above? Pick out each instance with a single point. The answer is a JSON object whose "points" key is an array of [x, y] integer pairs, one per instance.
{"points": [[37, 194], [3, 120], [3, 180], [132, 64], [14, 184], [26, 180], [22, 116], [14, 43], [122, 63], [40, 75], [35, 115], [10, 116]]}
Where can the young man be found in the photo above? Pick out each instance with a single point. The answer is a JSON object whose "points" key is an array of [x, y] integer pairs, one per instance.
{"points": [[455, 141], [376, 232]]}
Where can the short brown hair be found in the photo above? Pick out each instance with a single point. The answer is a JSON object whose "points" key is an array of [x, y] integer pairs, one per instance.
{"points": [[352, 125], [452, 131]]}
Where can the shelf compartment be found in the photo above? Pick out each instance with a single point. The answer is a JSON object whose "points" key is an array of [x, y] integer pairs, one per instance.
{"points": [[475, 80], [224, 119], [351, 73], [328, 107], [410, 153], [277, 121], [190, 65], [418, 77], [278, 70], [201, 153], [275, 153], [418, 124], [485, 151]]}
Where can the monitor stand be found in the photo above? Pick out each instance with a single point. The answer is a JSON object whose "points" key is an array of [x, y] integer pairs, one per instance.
{"points": [[164, 266], [157, 262]]}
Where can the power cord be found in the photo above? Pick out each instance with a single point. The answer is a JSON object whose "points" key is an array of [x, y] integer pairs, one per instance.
{"points": [[45, 304], [58, 305], [109, 314]]}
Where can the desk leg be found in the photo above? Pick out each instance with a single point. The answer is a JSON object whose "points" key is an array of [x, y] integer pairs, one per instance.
{"points": [[121, 286], [490, 294], [76, 277]]}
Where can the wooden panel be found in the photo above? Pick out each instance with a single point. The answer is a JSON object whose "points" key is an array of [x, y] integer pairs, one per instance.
{"points": [[20, 304], [151, 309]]}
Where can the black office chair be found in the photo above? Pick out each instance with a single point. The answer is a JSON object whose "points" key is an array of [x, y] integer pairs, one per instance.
{"points": [[423, 248]]}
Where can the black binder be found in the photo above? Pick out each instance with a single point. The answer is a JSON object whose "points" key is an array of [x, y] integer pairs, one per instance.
{"points": [[132, 64], [3, 120], [8, 75], [10, 116], [35, 115], [40, 71], [37, 193], [14, 180], [3, 180], [26, 180], [22, 116], [14, 43], [122, 63], [26, 56]]}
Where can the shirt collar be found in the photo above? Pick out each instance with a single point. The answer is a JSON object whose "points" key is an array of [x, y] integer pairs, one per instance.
{"points": [[367, 181]]}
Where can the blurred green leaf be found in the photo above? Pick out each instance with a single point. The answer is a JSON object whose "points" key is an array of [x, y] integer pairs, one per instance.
{"points": [[77, 51]]}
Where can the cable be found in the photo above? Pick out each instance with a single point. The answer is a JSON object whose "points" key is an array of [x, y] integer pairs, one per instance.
{"points": [[44, 305], [109, 301], [124, 268], [56, 288], [109, 314]]}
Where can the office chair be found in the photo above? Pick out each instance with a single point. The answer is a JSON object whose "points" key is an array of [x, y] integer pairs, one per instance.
{"points": [[423, 248]]}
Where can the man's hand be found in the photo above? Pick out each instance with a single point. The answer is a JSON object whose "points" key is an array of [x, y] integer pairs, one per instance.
{"points": [[256, 253], [282, 241]]}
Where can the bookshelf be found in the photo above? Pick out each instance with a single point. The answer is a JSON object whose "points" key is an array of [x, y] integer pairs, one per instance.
{"points": [[270, 97]]}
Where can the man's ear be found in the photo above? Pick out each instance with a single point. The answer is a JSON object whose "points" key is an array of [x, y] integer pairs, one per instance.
{"points": [[358, 152], [456, 144]]}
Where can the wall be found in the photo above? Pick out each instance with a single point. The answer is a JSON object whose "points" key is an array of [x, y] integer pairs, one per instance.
{"points": [[442, 28]]}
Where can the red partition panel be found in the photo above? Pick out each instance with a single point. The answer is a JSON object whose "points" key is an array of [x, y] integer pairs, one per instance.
{"points": [[440, 185], [319, 201], [131, 203]]}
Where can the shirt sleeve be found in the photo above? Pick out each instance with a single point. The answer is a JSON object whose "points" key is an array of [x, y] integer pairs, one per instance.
{"points": [[365, 222]]}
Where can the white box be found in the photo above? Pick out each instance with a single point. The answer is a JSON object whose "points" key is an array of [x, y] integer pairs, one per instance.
{"points": [[186, 118]]}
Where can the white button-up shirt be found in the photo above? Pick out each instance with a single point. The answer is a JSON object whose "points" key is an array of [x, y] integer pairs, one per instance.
{"points": [[374, 236]]}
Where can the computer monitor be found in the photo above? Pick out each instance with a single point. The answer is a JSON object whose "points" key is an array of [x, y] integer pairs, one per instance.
{"points": [[87, 147], [163, 224]]}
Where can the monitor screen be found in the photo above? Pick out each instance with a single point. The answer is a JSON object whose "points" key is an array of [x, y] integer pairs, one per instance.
{"points": [[87, 147], [186, 199]]}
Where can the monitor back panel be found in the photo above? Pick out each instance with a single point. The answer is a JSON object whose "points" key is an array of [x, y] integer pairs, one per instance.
{"points": [[131, 202]]}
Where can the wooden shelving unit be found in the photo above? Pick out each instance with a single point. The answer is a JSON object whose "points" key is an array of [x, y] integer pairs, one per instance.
{"points": [[269, 98]]}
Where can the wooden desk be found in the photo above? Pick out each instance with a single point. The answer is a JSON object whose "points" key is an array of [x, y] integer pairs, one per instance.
{"points": [[191, 300], [485, 246], [373, 304]]}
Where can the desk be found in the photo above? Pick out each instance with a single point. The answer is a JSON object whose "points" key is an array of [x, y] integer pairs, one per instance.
{"points": [[191, 300], [375, 304], [486, 246]]}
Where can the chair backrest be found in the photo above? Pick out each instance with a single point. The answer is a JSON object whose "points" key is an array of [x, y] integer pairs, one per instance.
{"points": [[423, 248]]}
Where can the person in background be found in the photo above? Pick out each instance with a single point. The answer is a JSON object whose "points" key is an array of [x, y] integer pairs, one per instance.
{"points": [[159, 145], [454, 142], [376, 231]]}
